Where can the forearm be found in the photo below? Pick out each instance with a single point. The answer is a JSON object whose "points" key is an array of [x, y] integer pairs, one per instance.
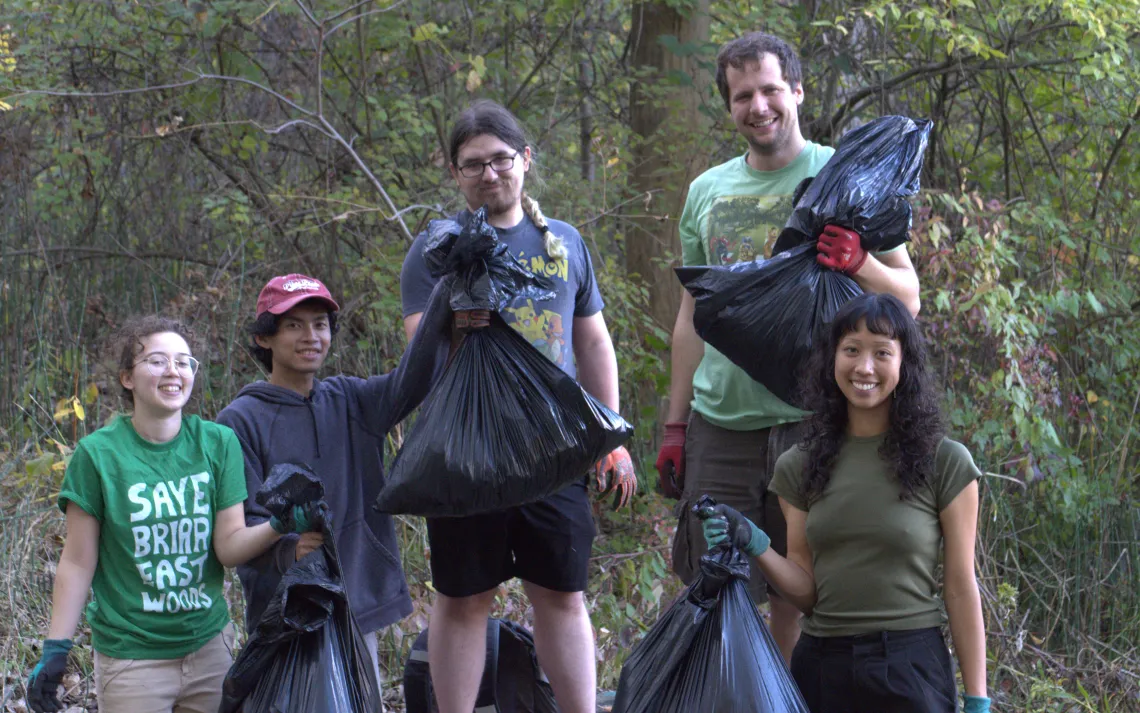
{"points": [[69, 594], [876, 277], [597, 372], [792, 581], [244, 543], [964, 608], [685, 356]]}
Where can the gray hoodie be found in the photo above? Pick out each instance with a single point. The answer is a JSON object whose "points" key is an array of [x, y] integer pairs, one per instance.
{"points": [[339, 430]]}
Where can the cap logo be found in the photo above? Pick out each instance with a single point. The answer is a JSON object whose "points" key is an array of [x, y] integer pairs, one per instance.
{"points": [[294, 285]]}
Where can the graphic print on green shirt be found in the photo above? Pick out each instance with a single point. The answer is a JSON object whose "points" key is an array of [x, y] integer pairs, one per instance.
{"points": [[157, 589], [874, 556], [734, 213]]}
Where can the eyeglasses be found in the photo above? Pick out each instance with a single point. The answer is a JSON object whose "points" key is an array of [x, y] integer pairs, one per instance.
{"points": [[475, 169], [157, 364]]}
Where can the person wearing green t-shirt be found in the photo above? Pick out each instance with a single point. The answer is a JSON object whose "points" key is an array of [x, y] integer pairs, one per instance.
{"points": [[724, 430], [875, 497], [154, 506]]}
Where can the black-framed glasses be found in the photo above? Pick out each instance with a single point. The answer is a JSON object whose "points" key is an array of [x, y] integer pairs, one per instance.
{"points": [[157, 364], [475, 169]]}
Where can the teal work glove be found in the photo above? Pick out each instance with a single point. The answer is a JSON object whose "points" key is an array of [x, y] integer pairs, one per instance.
{"points": [[722, 523], [976, 704], [43, 684], [299, 520]]}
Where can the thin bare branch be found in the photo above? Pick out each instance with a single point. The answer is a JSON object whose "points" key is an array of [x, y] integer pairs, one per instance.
{"points": [[362, 15]]}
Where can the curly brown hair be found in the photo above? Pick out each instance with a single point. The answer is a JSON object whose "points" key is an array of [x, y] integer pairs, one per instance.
{"points": [[127, 343], [915, 426]]}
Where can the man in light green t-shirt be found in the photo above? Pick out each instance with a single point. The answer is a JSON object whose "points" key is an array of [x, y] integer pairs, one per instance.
{"points": [[724, 431]]}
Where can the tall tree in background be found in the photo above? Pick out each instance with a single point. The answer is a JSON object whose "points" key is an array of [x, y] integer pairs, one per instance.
{"points": [[666, 43]]}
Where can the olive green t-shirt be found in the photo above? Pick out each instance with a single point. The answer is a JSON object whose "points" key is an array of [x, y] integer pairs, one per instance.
{"points": [[874, 555], [157, 589]]}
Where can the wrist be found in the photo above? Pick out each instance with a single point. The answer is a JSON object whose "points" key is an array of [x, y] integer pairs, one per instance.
{"points": [[675, 433]]}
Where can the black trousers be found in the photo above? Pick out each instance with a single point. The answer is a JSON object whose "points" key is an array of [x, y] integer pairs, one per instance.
{"points": [[884, 672]]}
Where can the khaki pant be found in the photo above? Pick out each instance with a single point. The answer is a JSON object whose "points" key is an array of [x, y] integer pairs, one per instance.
{"points": [[191, 684], [735, 469]]}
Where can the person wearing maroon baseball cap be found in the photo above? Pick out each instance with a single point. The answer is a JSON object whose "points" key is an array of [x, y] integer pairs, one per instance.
{"points": [[338, 426]]}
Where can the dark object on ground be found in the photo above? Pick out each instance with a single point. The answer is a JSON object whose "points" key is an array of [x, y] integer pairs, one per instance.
{"points": [[305, 655], [512, 680], [764, 315], [504, 426], [710, 652]]}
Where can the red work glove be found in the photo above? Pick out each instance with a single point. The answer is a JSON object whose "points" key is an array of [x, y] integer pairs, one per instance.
{"points": [[671, 460], [470, 320], [840, 249], [614, 474]]}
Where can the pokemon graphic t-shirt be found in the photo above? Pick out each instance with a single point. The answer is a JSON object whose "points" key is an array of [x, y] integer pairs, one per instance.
{"points": [[735, 213], [157, 591], [547, 324]]}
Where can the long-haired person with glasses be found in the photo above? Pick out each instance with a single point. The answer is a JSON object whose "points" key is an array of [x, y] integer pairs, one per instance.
{"points": [[154, 506]]}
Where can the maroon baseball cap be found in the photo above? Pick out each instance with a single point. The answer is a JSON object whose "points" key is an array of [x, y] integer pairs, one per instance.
{"points": [[285, 292]]}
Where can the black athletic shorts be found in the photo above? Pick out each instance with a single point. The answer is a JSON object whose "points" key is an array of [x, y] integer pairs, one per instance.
{"points": [[884, 672], [546, 543]]}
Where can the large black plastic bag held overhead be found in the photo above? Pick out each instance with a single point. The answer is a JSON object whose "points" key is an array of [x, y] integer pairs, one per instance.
{"points": [[504, 426], [710, 652], [305, 654], [764, 315], [865, 185]]}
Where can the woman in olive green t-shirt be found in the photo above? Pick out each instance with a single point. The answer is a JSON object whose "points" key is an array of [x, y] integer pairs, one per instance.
{"points": [[154, 505], [874, 497]]}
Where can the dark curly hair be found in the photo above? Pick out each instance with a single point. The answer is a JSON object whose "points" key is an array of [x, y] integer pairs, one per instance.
{"points": [[266, 325], [915, 427], [127, 343], [752, 48]]}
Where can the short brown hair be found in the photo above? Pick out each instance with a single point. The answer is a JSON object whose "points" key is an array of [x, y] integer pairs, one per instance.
{"points": [[751, 48], [127, 342]]}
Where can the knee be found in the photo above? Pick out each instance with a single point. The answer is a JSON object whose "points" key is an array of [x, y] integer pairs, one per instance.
{"points": [[549, 601], [473, 608]]}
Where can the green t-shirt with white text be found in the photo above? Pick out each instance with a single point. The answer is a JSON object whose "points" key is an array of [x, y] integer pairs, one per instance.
{"points": [[157, 589], [735, 213]]}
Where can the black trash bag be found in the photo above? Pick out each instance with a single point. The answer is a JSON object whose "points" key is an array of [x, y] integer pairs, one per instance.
{"points": [[512, 680], [711, 651], [305, 654], [864, 186], [764, 315], [504, 426]]}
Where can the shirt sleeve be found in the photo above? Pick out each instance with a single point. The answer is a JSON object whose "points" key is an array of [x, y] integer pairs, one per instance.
{"points": [[689, 229], [82, 484], [231, 488], [588, 299], [955, 470], [788, 478], [416, 282]]}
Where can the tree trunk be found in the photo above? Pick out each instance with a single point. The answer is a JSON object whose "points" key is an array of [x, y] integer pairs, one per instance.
{"points": [[666, 120], [668, 153]]}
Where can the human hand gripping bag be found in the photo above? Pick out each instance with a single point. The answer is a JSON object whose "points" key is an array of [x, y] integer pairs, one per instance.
{"points": [[764, 315], [306, 653], [711, 651], [504, 426]]}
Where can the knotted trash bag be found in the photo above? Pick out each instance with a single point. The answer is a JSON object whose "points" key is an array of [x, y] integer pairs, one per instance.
{"points": [[305, 654], [765, 314], [504, 426], [711, 651]]}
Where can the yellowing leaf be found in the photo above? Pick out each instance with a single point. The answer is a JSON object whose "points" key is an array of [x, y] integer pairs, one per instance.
{"points": [[62, 409], [1092, 397], [612, 162], [474, 81], [5, 106], [59, 465], [90, 394], [77, 408]]}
